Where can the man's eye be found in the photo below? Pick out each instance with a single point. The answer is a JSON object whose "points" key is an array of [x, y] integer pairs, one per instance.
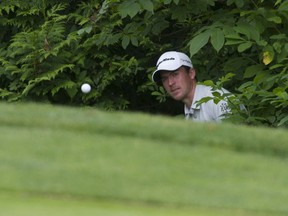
{"points": [[174, 74], [163, 79]]}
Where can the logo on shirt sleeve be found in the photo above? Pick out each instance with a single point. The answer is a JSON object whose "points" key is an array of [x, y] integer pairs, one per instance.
{"points": [[224, 108]]}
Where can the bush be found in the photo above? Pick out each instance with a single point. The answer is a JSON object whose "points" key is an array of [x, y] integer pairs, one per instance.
{"points": [[49, 48]]}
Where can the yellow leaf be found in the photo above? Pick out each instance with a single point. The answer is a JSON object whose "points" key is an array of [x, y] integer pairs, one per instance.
{"points": [[267, 57]]}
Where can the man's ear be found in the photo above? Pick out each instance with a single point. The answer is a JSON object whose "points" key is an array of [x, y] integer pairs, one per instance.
{"points": [[192, 73]]}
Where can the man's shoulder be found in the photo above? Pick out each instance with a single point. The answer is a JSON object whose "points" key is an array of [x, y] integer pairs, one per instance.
{"points": [[203, 90], [202, 86], [207, 90]]}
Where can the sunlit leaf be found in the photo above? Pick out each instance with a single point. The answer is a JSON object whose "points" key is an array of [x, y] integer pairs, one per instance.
{"points": [[267, 57]]}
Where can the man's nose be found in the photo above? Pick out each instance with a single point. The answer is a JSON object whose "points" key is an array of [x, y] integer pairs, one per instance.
{"points": [[170, 80]]}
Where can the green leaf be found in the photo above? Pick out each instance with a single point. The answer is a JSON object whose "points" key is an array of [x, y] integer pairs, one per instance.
{"points": [[239, 3], [227, 77], [268, 55], [62, 84], [208, 83], [217, 39], [87, 29], [234, 37], [252, 71], [203, 100], [134, 41], [216, 94], [242, 29], [244, 46], [125, 41], [281, 92], [283, 6], [277, 2], [286, 47], [276, 66], [278, 46], [167, 1], [261, 77], [81, 31], [275, 19], [180, 14], [4, 93], [147, 5], [246, 85], [155, 93], [129, 8], [262, 43], [72, 92], [104, 8], [233, 42], [159, 26], [230, 2], [278, 36], [251, 32], [283, 121], [198, 42]]}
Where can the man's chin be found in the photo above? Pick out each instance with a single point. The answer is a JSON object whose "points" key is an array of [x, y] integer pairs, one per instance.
{"points": [[177, 97]]}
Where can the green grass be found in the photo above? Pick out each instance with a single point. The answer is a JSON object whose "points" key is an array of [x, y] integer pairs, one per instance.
{"points": [[27, 205], [61, 160]]}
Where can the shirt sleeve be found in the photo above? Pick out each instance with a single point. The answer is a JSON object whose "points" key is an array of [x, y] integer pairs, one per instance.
{"points": [[220, 110]]}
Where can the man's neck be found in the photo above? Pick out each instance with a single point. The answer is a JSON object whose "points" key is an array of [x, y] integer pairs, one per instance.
{"points": [[189, 100]]}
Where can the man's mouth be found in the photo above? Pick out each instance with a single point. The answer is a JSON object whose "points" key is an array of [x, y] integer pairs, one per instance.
{"points": [[174, 90]]}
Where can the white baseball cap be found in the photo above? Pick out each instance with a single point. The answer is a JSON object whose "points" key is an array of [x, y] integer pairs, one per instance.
{"points": [[170, 61]]}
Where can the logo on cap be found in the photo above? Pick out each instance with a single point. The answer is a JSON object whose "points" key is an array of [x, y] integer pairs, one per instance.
{"points": [[165, 59]]}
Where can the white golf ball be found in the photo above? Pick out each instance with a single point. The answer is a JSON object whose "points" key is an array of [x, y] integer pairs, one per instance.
{"points": [[85, 88]]}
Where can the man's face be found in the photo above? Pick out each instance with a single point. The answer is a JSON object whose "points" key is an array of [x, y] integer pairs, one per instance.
{"points": [[178, 83]]}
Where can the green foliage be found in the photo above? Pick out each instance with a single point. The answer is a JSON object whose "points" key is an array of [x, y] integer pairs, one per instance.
{"points": [[35, 58], [49, 48], [64, 45]]}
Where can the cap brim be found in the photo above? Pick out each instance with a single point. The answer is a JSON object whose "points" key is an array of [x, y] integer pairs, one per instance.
{"points": [[156, 74]]}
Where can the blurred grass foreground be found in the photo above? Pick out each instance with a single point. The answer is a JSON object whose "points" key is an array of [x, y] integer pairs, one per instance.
{"points": [[81, 161]]}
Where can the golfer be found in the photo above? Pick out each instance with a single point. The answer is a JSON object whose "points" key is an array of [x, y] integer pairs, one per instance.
{"points": [[176, 73]]}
